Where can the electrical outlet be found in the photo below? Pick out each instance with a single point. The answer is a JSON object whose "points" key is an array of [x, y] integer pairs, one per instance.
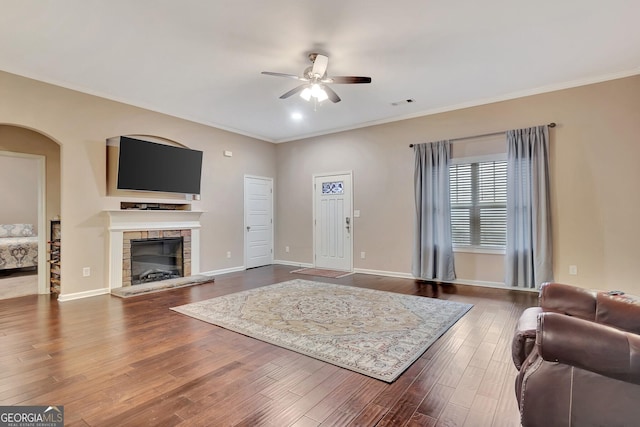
{"points": [[286, 249], [362, 255], [573, 270], [86, 271], [228, 254]]}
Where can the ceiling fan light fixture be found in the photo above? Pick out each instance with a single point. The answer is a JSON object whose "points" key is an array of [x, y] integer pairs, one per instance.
{"points": [[315, 91], [306, 94], [322, 95], [316, 81]]}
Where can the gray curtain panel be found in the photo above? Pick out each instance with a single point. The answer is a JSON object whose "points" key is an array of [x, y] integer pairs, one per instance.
{"points": [[528, 252], [433, 248]]}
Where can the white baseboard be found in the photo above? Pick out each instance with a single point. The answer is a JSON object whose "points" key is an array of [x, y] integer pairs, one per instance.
{"points": [[484, 284], [477, 283], [84, 294], [497, 285], [383, 273], [293, 264], [223, 271]]}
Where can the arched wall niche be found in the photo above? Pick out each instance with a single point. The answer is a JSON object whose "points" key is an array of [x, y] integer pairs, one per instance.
{"points": [[34, 130], [158, 139], [113, 151]]}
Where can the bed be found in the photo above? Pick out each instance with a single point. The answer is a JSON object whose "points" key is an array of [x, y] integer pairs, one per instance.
{"points": [[18, 246]]}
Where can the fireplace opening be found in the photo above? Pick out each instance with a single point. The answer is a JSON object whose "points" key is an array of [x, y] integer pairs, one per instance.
{"points": [[156, 259]]}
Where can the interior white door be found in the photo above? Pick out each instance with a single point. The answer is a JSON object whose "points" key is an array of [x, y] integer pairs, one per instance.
{"points": [[333, 222], [258, 220]]}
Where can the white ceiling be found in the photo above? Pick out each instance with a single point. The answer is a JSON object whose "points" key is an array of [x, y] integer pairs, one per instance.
{"points": [[201, 59]]}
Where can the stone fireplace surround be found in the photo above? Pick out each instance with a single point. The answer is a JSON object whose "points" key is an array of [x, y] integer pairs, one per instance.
{"points": [[125, 225], [128, 236]]}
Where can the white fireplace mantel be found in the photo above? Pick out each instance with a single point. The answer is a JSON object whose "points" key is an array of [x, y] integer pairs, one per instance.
{"points": [[145, 220]]}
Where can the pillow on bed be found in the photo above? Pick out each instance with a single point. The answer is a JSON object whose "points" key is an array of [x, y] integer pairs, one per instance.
{"points": [[16, 230]]}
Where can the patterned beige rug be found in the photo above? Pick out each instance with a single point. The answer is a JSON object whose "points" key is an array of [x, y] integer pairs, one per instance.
{"points": [[379, 334]]}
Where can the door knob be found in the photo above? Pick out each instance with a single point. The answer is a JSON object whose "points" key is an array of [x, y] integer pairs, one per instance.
{"points": [[248, 228]]}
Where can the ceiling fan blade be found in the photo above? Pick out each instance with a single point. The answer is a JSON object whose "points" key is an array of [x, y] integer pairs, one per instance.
{"points": [[320, 65], [290, 76], [331, 94], [347, 79], [293, 91]]}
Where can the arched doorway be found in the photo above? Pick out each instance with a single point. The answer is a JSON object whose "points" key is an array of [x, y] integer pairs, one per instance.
{"points": [[31, 147]]}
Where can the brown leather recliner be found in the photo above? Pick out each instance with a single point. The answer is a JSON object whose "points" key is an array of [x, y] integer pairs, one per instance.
{"points": [[580, 366]]}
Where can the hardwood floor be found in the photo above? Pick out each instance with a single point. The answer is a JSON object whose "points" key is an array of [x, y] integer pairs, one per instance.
{"points": [[18, 283], [134, 362]]}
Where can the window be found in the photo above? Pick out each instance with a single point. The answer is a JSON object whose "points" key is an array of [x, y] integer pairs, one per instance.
{"points": [[479, 203], [335, 187]]}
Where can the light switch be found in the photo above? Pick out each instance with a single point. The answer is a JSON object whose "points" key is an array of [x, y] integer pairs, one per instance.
{"points": [[356, 213]]}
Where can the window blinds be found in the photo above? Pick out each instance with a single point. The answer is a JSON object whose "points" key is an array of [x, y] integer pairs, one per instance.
{"points": [[478, 204]]}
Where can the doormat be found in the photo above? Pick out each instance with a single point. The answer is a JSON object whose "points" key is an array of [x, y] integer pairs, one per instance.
{"points": [[375, 333], [334, 274]]}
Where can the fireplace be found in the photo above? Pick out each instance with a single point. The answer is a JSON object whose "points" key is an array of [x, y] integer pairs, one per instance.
{"points": [[154, 255], [157, 259], [126, 225]]}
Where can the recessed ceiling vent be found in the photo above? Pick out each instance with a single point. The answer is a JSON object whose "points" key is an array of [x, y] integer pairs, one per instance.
{"points": [[404, 101]]}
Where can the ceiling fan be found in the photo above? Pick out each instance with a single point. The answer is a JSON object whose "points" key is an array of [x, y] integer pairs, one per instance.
{"points": [[316, 80]]}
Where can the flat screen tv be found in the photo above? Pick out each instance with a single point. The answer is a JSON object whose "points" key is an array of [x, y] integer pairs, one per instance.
{"points": [[148, 166]]}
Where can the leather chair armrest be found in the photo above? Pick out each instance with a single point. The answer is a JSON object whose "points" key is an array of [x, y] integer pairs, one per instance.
{"points": [[569, 300], [524, 338], [619, 310], [590, 346]]}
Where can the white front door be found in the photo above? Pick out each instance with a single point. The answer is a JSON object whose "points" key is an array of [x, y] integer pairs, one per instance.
{"points": [[258, 221], [333, 221]]}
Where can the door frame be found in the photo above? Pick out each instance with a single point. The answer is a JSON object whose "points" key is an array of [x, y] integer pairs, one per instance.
{"points": [[313, 222], [43, 267], [244, 216]]}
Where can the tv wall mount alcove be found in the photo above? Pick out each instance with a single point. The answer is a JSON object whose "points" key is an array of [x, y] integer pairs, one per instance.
{"points": [[151, 183]]}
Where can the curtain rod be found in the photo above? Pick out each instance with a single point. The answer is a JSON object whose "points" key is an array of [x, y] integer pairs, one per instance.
{"points": [[551, 125]]}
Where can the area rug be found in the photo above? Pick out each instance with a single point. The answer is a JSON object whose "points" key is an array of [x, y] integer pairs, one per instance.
{"points": [[334, 274], [375, 333]]}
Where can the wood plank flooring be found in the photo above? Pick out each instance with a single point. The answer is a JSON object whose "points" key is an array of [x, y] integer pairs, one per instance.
{"points": [[134, 362], [18, 283]]}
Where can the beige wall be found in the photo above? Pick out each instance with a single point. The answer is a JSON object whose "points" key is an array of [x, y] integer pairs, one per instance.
{"points": [[81, 124], [594, 175], [20, 140], [18, 190]]}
